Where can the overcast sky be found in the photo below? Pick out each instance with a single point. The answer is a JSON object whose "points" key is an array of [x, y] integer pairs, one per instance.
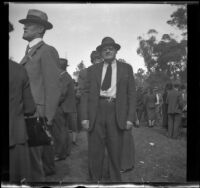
{"points": [[79, 28]]}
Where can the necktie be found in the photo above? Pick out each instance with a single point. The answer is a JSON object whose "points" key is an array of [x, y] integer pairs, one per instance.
{"points": [[107, 79], [27, 49]]}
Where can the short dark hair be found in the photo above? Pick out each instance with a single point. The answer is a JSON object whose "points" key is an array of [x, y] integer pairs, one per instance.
{"points": [[168, 86]]}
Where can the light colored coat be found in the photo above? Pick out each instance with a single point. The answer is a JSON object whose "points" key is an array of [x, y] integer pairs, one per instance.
{"points": [[41, 64]]}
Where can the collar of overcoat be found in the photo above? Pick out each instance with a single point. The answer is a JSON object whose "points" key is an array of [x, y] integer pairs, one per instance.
{"points": [[120, 71], [31, 53]]}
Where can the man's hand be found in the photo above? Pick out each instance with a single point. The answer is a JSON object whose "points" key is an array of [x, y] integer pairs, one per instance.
{"points": [[85, 124], [129, 125]]}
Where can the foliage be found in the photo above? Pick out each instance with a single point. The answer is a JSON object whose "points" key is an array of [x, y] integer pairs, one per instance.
{"points": [[165, 58], [140, 77], [79, 67], [179, 19]]}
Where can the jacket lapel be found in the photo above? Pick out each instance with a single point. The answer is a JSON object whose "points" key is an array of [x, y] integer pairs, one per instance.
{"points": [[98, 74], [31, 53], [120, 71]]}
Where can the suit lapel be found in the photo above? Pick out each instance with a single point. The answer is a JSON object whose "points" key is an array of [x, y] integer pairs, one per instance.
{"points": [[31, 53], [98, 74], [120, 71]]}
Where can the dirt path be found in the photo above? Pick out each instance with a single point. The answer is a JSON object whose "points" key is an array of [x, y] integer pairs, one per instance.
{"points": [[158, 159]]}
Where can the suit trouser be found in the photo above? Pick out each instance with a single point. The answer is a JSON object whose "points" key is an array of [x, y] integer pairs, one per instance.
{"points": [[105, 133], [36, 166], [128, 151], [60, 133], [48, 154], [174, 121], [164, 114], [19, 164]]}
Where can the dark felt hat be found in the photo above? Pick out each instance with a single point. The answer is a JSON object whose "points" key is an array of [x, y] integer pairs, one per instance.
{"points": [[107, 41], [37, 16], [63, 63]]}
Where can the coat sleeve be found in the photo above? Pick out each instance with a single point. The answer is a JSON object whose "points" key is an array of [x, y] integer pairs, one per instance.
{"points": [[28, 102], [131, 96], [51, 73]]}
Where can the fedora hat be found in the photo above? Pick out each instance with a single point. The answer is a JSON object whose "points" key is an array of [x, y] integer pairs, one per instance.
{"points": [[64, 62], [107, 41], [37, 16]]}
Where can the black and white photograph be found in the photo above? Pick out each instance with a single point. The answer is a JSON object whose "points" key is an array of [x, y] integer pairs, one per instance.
{"points": [[98, 93]]}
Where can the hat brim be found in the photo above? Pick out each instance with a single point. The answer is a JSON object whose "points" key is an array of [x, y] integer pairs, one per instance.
{"points": [[115, 45], [46, 24]]}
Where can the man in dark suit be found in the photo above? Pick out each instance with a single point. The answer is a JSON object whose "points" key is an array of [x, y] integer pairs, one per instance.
{"points": [[175, 104], [41, 62], [67, 106], [20, 104], [107, 109]]}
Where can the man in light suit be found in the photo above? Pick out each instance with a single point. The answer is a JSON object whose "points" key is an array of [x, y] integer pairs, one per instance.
{"points": [[175, 105], [67, 107], [107, 109], [21, 104], [41, 62]]}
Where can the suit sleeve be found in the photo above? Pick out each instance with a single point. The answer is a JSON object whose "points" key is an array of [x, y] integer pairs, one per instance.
{"points": [[28, 102], [85, 96], [131, 96], [51, 73]]}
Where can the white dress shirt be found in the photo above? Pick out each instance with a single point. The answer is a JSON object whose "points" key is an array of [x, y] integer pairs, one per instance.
{"points": [[111, 92], [34, 42]]}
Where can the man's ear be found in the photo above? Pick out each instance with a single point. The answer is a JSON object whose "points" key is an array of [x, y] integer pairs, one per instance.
{"points": [[42, 29]]}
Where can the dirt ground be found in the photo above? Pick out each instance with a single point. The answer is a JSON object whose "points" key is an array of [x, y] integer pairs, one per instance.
{"points": [[158, 159]]}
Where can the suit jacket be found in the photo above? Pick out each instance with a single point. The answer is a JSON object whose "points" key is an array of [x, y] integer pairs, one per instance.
{"points": [[125, 94], [67, 99], [41, 64], [174, 101], [20, 103]]}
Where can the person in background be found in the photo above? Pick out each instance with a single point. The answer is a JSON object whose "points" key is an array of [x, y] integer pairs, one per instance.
{"points": [[21, 105], [150, 101], [66, 106], [175, 106], [168, 87], [106, 111], [144, 96], [41, 62], [95, 58], [158, 104], [184, 111], [140, 105]]}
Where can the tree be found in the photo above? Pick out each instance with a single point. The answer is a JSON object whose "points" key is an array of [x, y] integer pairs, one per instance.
{"points": [[140, 77], [80, 67], [166, 56], [179, 19]]}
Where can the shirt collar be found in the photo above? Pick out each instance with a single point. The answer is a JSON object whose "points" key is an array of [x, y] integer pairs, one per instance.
{"points": [[34, 42], [113, 62]]}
